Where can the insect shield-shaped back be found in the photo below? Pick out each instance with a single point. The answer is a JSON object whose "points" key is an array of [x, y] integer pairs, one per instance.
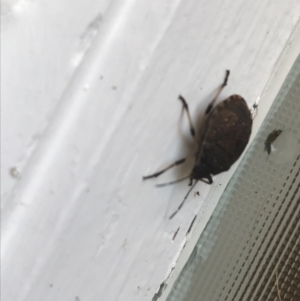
{"points": [[226, 134]]}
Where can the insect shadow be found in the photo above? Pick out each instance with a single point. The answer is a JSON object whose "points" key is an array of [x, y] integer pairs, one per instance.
{"points": [[221, 138]]}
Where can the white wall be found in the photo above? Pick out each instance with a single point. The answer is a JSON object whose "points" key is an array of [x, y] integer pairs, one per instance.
{"points": [[89, 105]]}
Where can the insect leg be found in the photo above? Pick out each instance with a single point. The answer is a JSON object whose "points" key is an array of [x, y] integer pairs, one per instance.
{"points": [[186, 108], [210, 106], [178, 162], [254, 110], [209, 178], [185, 198]]}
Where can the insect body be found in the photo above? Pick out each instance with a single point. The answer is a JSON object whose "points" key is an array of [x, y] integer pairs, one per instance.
{"points": [[226, 131], [225, 137]]}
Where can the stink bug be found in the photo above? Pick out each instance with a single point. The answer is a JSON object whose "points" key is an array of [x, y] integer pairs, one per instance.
{"points": [[226, 130]]}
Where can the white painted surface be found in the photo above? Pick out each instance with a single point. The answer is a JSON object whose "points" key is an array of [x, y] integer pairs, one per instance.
{"points": [[88, 106]]}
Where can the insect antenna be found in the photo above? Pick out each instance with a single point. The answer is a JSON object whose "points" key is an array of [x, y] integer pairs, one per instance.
{"points": [[185, 198], [173, 182]]}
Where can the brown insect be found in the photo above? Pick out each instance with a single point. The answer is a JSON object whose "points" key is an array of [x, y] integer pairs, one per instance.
{"points": [[226, 130], [270, 139]]}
